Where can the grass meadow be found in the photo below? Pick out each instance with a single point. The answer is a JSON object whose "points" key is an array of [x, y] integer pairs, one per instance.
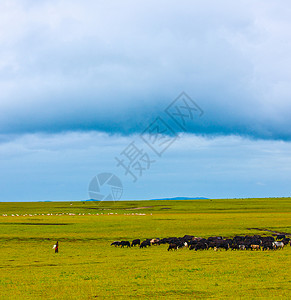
{"points": [[87, 267]]}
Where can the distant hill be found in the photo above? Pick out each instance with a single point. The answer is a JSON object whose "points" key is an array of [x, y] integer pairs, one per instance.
{"points": [[91, 200], [182, 198], [45, 201]]}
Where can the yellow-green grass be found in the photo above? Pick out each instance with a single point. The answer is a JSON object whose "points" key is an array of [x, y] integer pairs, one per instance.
{"points": [[88, 267]]}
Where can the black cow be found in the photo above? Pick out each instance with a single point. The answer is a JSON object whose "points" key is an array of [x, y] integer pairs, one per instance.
{"points": [[281, 236], [192, 246], [182, 244], [267, 246], [223, 245], [145, 244], [135, 242], [286, 241], [234, 247], [266, 239], [201, 246], [173, 246], [116, 243], [125, 243], [187, 237], [164, 241]]}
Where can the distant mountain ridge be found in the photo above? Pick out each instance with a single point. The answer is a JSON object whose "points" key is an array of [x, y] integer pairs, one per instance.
{"points": [[91, 200], [182, 198]]}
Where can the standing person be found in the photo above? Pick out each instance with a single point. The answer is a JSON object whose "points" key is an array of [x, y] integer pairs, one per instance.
{"points": [[56, 247]]}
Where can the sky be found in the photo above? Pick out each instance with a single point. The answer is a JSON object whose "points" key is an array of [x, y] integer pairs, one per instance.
{"points": [[84, 83]]}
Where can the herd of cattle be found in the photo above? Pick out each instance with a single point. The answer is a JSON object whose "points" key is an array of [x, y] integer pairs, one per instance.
{"points": [[255, 242]]}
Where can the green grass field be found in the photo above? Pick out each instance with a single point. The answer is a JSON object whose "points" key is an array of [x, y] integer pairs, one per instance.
{"points": [[87, 267]]}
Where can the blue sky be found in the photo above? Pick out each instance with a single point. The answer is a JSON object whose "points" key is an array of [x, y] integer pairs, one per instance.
{"points": [[81, 80]]}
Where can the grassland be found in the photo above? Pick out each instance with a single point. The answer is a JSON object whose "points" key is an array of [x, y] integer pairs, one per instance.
{"points": [[87, 267]]}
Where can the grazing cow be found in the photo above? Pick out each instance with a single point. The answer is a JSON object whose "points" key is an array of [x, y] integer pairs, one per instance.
{"points": [[229, 241], [116, 243], [238, 239], [188, 237], [195, 238], [144, 244], [278, 245], [286, 241], [268, 239], [192, 246], [255, 247], [242, 247], [267, 246], [222, 244], [164, 241], [211, 244], [172, 246], [135, 242], [125, 243], [155, 241], [212, 239], [181, 244], [201, 246]]}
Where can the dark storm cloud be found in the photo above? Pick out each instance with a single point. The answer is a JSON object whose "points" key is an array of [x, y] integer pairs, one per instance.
{"points": [[115, 67]]}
